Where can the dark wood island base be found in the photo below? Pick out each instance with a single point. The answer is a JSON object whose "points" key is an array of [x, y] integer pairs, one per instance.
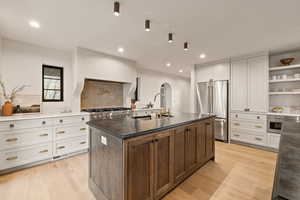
{"points": [[147, 167]]}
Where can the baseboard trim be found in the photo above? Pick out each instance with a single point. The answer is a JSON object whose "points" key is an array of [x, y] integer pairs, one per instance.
{"points": [[255, 146]]}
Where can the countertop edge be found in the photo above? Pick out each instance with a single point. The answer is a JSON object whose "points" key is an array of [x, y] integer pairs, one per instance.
{"points": [[133, 135]]}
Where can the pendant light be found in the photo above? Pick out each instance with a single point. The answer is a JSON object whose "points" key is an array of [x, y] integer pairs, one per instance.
{"points": [[170, 38], [116, 8], [147, 25], [186, 46]]}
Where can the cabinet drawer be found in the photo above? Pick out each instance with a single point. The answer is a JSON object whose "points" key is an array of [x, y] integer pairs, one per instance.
{"points": [[70, 131], [244, 116], [248, 138], [23, 124], [21, 156], [258, 140], [253, 126], [26, 137], [69, 146], [238, 136], [71, 120]]}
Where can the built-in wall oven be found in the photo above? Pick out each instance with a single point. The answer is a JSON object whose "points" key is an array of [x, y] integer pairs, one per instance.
{"points": [[275, 124]]}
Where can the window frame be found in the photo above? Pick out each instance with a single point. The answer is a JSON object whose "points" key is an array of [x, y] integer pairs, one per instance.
{"points": [[61, 84]]}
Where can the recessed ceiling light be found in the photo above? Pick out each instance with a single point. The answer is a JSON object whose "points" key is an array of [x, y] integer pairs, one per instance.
{"points": [[117, 8], [168, 64], [181, 71], [34, 24], [202, 56], [120, 49]]}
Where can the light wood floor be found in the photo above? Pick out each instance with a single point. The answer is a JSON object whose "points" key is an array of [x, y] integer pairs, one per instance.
{"points": [[239, 173]]}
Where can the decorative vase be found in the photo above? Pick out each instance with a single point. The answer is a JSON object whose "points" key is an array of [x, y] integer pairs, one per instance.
{"points": [[7, 109]]}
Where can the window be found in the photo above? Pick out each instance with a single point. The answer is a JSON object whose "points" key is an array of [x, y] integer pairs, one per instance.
{"points": [[53, 83]]}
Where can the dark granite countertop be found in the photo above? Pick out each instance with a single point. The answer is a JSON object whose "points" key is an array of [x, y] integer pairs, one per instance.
{"points": [[125, 127]]}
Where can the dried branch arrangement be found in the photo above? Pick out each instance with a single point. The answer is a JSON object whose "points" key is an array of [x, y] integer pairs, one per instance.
{"points": [[11, 96]]}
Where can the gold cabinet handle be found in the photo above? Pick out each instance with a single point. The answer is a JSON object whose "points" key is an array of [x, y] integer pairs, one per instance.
{"points": [[12, 158], [61, 147], [83, 129], [257, 126], [44, 151], [12, 140], [236, 135], [82, 142], [43, 135], [259, 139], [237, 124], [60, 132]]}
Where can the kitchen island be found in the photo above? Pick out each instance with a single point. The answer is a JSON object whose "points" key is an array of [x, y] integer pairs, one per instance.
{"points": [[143, 159]]}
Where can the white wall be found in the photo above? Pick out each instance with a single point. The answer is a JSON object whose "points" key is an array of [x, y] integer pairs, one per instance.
{"points": [[151, 82], [219, 70], [96, 65], [1, 50], [22, 64]]}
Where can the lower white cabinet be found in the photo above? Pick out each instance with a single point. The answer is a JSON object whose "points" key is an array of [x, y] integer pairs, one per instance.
{"points": [[70, 145], [21, 156], [273, 140], [29, 141], [249, 128]]}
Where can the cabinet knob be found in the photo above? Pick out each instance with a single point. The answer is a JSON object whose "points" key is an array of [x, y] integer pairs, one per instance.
{"points": [[61, 147], [82, 142], [11, 125], [258, 117], [82, 119], [44, 151], [61, 121], [44, 122], [236, 116], [258, 139], [43, 135]]}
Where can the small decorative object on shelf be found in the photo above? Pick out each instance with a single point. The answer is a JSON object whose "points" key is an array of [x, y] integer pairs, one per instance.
{"points": [[7, 108], [287, 61]]}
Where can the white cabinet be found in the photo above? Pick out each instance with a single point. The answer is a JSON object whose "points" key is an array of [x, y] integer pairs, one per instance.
{"points": [[258, 84], [239, 85], [249, 85], [273, 140], [249, 128], [27, 141]]}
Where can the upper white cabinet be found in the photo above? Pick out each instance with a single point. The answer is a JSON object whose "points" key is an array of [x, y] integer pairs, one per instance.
{"points": [[249, 84], [239, 85]]}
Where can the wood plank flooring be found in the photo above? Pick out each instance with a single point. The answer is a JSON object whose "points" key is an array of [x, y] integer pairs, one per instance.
{"points": [[239, 173]]}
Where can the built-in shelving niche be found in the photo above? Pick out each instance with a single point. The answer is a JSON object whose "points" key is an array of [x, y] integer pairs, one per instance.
{"points": [[284, 86]]}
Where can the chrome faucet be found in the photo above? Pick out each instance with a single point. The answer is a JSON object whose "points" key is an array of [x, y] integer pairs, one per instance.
{"points": [[156, 96]]}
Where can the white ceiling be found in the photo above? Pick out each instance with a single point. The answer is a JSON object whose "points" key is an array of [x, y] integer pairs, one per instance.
{"points": [[219, 28]]}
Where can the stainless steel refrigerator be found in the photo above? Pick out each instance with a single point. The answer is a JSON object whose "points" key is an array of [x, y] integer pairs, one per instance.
{"points": [[213, 99]]}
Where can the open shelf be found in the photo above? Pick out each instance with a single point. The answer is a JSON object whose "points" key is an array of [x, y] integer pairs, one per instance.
{"points": [[280, 68], [284, 80], [284, 93]]}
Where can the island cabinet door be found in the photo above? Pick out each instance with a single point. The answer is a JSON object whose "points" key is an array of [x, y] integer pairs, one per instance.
{"points": [[179, 154], [210, 139], [163, 156], [201, 143], [140, 169], [191, 148]]}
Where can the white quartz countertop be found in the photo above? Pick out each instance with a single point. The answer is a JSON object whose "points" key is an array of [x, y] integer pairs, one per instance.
{"points": [[284, 114], [40, 115]]}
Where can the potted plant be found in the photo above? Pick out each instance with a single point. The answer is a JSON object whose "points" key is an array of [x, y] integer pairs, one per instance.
{"points": [[7, 107]]}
